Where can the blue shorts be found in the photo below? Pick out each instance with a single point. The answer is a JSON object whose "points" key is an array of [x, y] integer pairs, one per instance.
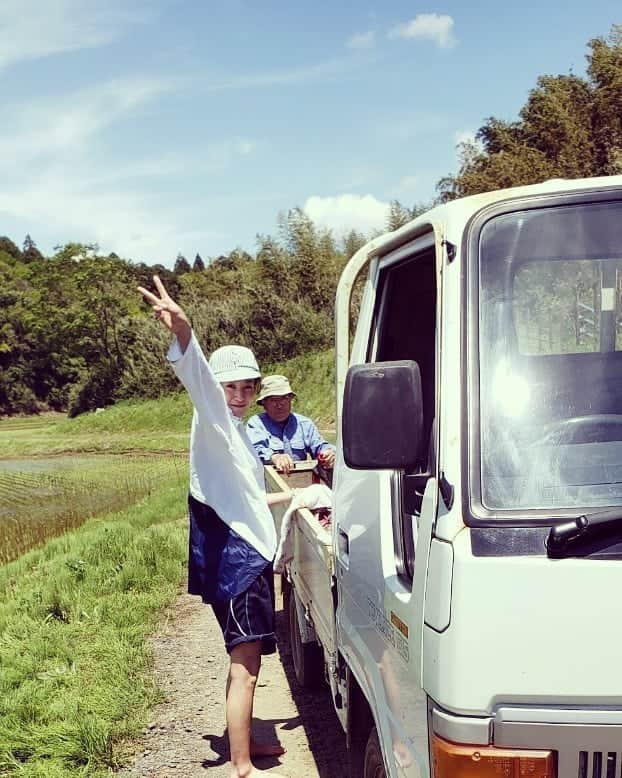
{"points": [[221, 564], [249, 616]]}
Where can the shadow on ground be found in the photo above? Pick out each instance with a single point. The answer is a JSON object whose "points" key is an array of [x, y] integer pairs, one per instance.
{"points": [[324, 732]]}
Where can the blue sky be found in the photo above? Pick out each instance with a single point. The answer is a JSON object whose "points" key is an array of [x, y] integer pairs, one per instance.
{"points": [[153, 128]]}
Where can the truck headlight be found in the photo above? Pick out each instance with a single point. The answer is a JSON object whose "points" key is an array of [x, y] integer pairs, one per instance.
{"points": [[453, 760]]}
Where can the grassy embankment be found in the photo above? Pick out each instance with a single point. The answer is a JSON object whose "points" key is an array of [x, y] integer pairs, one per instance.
{"points": [[75, 679], [162, 425]]}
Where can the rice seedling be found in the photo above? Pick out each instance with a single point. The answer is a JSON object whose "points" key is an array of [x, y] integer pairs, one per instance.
{"points": [[37, 506]]}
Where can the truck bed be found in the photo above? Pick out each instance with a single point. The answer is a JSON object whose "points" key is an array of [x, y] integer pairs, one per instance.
{"points": [[311, 569]]}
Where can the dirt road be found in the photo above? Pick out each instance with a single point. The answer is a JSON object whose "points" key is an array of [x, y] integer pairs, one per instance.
{"points": [[186, 735]]}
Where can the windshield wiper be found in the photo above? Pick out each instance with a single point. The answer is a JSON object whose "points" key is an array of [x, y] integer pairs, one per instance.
{"points": [[579, 536]]}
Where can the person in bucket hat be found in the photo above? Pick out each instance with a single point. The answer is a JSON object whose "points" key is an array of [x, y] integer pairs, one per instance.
{"points": [[281, 437], [232, 538]]}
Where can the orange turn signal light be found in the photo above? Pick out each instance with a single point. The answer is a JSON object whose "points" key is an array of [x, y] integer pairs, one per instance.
{"points": [[452, 760]]}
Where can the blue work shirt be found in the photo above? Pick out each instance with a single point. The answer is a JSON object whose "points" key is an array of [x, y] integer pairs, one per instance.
{"points": [[221, 564], [296, 436]]}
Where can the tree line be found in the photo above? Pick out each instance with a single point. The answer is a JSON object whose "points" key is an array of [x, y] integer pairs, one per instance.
{"points": [[75, 336]]}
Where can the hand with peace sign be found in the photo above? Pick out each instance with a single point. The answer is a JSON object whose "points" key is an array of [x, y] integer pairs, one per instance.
{"points": [[167, 311]]}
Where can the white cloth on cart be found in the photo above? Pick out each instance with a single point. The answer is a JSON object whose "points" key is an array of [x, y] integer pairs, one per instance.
{"points": [[313, 497]]}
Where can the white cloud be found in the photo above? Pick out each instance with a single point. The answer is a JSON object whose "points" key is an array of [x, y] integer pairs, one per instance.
{"points": [[361, 40], [243, 146], [466, 143], [347, 212], [31, 29], [406, 187], [286, 77], [54, 175], [434, 27], [50, 127], [464, 136], [118, 221], [130, 223]]}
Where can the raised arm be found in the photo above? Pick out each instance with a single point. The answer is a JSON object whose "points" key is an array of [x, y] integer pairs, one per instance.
{"points": [[169, 313], [189, 364]]}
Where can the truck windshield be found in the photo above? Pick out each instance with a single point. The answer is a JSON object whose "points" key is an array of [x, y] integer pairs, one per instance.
{"points": [[550, 358]]}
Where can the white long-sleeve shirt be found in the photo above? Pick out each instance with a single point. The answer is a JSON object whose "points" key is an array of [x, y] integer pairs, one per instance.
{"points": [[225, 471]]}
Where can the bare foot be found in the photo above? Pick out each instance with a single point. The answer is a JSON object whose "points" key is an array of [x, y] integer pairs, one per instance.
{"points": [[255, 773], [266, 749]]}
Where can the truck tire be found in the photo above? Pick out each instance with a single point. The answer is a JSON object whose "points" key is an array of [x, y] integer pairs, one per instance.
{"points": [[307, 658], [373, 764]]}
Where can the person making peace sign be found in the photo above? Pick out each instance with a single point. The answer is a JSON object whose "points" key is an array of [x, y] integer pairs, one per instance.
{"points": [[232, 535]]}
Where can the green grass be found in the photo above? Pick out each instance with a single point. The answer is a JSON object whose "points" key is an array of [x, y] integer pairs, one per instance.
{"points": [[75, 679], [159, 426], [149, 426], [167, 414]]}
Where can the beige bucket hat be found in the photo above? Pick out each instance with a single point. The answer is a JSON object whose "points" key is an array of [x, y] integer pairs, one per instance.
{"points": [[274, 386]]}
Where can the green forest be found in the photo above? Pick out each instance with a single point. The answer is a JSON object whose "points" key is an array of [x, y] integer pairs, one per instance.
{"points": [[75, 335]]}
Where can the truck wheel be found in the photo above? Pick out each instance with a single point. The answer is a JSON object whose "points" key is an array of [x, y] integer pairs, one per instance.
{"points": [[307, 658], [373, 764]]}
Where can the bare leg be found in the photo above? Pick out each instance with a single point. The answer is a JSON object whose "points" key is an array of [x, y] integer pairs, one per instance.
{"points": [[243, 672]]}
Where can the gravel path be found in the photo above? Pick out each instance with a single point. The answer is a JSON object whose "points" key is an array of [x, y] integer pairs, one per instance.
{"points": [[186, 735]]}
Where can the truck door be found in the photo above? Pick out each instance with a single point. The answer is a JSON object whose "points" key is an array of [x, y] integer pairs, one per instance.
{"points": [[382, 547]]}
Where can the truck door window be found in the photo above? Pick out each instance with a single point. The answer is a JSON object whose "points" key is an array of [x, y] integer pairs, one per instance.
{"points": [[406, 329]]}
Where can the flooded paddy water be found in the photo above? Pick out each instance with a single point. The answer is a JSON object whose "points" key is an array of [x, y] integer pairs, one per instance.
{"points": [[42, 497]]}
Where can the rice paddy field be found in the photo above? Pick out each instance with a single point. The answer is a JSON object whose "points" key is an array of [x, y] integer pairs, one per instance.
{"points": [[55, 475], [46, 497]]}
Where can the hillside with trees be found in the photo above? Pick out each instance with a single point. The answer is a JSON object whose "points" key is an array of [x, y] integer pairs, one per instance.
{"points": [[75, 336]]}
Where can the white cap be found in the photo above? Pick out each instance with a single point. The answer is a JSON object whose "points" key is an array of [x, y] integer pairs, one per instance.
{"points": [[234, 363]]}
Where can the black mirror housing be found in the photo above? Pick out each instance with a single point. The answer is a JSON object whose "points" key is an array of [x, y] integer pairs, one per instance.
{"points": [[383, 416]]}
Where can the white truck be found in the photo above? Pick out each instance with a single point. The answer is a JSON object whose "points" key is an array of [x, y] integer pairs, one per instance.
{"points": [[464, 607]]}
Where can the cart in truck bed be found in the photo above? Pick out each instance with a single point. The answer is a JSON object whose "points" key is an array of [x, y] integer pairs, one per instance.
{"points": [[307, 579]]}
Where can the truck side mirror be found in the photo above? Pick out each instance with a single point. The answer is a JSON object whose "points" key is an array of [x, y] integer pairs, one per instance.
{"points": [[383, 416]]}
